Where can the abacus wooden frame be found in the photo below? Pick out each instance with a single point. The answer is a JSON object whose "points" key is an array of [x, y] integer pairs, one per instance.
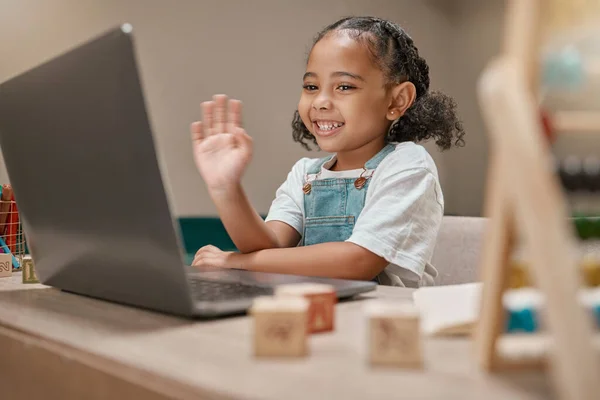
{"points": [[524, 196]]}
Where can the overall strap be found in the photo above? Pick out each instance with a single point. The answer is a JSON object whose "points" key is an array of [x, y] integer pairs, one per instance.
{"points": [[373, 163], [315, 167]]}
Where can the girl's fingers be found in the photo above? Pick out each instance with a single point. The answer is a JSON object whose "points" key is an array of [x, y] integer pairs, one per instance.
{"points": [[220, 113], [234, 117], [196, 130], [207, 249], [206, 261], [199, 262], [207, 117], [242, 137], [200, 251]]}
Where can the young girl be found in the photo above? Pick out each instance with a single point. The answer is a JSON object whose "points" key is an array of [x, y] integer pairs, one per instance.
{"points": [[371, 211]]}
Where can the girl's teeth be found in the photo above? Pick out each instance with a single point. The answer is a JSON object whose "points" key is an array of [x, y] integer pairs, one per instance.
{"points": [[328, 127]]}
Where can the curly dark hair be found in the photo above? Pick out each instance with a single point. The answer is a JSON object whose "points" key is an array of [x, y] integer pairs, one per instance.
{"points": [[432, 115]]}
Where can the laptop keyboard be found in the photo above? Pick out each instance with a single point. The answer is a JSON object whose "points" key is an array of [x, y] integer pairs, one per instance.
{"points": [[208, 290]]}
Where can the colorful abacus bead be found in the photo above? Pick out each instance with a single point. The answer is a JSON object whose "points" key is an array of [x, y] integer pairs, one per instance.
{"points": [[524, 320], [590, 268], [518, 276], [581, 180], [570, 174], [590, 301], [563, 68], [595, 227], [547, 127], [591, 174], [522, 310], [585, 227]]}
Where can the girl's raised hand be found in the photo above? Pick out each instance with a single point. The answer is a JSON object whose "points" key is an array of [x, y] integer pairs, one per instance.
{"points": [[222, 148]]}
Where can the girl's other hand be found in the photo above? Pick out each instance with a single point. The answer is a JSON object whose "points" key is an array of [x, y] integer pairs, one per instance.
{"points": [[222, 148], [211, 256]]}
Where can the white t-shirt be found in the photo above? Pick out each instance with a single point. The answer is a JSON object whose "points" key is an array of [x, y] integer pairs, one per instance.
{"points": [[401, 217]]}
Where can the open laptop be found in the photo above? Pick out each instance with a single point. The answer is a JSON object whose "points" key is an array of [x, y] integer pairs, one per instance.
{"points": [[81, 158]]}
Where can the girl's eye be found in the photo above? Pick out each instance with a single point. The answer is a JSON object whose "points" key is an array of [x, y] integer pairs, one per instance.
{"points": [[309, 87], [345, 88]]}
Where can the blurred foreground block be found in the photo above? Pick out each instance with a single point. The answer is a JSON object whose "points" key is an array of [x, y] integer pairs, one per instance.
{"points": [[394, 335], [280, 326], [322, 299]]}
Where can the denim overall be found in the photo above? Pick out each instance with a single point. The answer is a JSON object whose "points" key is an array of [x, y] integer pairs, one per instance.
{"points": [[333, 205]]}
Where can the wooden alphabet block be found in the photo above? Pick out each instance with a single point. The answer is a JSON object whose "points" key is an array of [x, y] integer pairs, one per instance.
{"points": [[5, 265], [322, 298], [394, 335], [280, 326], [29, 275]]}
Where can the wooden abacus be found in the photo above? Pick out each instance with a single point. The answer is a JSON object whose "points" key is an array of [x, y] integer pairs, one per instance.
{"points": [[524, 198]]}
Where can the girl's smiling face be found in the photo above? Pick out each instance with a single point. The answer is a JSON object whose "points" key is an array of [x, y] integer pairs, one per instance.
{"points": [[346, 102]]}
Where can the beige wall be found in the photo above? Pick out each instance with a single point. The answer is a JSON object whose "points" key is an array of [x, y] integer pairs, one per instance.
{"points": [[476, 28], [255, 50]]}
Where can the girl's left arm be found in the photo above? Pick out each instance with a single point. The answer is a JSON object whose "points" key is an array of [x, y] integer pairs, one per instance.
{"points": [[342, 260]]}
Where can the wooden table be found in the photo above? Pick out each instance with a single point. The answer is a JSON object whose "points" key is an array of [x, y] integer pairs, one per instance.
{"points": [[56, 345]]}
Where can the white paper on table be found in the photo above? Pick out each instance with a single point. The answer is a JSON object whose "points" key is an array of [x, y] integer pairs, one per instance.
{"points": [[448, 310]]}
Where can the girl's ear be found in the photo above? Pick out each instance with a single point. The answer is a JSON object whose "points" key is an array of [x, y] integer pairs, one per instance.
{"points": [[403, 96]]}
